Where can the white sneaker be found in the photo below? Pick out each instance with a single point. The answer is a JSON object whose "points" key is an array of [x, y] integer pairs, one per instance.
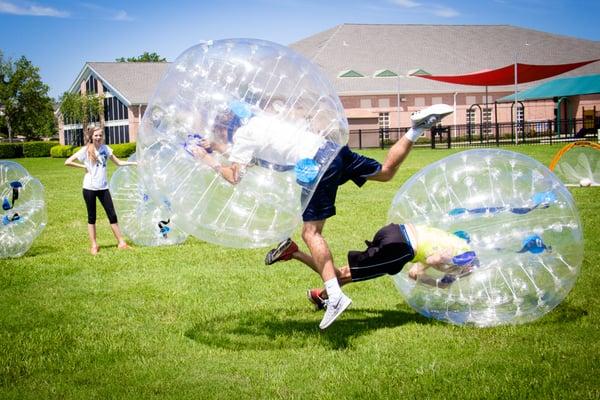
{"points": [[334, 310], [427, 117]]}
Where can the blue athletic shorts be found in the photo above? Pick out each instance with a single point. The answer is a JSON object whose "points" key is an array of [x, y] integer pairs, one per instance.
{"points": [[346, 166]]}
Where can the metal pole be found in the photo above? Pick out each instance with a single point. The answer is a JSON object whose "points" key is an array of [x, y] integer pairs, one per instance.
{"points": [[516, 104], [398, 99]]}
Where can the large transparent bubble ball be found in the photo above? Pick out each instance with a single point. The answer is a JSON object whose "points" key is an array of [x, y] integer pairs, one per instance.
{"points": [[288, 112], [23, 215], [142, 220], [523, 226]]}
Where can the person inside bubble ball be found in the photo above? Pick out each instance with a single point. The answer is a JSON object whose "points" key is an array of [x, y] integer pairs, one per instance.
{"points": [[281, 145], [93, 158], [392, 247]]}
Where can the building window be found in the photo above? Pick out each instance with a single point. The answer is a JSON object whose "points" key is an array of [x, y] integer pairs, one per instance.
{"points": [[114, 109], [365, 103], [471, 100], [487, 121], [471, 116], [419, 101], [348, 73], [436, 100], [384, 123], [384, 73], [74, 136], [116, 134], [384, 103], [91, 85]]}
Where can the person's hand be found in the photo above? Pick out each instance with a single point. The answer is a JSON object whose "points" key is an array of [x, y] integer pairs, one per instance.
{"points": [[205, 143], [198, 151]]}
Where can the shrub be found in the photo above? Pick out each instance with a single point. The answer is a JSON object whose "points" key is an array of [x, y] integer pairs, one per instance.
{"points": [[37, 149], [123, 150], [11, 150], [63, 151]]}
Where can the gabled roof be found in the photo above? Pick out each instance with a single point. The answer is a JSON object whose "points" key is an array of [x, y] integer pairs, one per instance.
{"points": [[131, 82], [563, 87], [437, 49]]}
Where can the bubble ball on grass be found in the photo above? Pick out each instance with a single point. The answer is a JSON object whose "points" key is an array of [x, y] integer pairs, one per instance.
{"points": [[214, 91], [23, 215], [520, 220], [144, 221]]}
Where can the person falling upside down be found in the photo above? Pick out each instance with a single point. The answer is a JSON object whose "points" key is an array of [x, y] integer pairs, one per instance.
{"points": [[392, 247]]}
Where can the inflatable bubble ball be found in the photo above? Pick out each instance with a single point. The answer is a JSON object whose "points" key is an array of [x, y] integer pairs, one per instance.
{"points": [[23, 215], [236, 137], [578, 164], [144, 221], [519, 220]]}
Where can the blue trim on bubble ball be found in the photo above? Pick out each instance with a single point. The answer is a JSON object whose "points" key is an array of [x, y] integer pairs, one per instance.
{"points": [[306, 171], [463, 235], [465, 258], [541, 199], [533, 244]]}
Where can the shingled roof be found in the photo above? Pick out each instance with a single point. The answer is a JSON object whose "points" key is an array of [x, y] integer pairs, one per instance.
{"points": [[371, 49], [132, 82], [436, 49]]}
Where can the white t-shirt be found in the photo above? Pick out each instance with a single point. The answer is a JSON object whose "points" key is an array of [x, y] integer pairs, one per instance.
{"points": [[275, 141], [96, 177]]}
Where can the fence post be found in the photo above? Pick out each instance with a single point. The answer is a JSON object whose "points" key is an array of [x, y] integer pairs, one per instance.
{"points": [[360, 139], [449, 138], [381, 138]]}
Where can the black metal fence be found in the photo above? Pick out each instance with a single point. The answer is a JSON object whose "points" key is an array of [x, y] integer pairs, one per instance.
{"points": [[483, 134]]}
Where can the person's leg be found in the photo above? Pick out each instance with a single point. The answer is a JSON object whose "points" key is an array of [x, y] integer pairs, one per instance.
{"points": [[321, 255], [109, 208], [344, 277], [421, 120], [321, 258], [89, 197], [92, 234]]}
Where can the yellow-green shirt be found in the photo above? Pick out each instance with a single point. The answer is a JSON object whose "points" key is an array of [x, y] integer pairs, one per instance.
{"points": [[431, 241]]}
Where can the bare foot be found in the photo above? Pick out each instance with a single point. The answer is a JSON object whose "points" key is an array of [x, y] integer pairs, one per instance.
{"points": [[94, 250], [124, 246]]}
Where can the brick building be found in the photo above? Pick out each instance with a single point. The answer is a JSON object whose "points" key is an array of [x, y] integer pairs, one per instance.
{"points": [[373, 70]]}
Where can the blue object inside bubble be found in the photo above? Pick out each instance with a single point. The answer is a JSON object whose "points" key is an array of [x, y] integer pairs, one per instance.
{"points": [[533, 244], [240, 109], [306, 171]]}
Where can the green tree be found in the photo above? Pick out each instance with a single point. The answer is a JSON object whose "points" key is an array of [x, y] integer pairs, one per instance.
{"points": [[81, 108], [146, 57], [26, 107]]}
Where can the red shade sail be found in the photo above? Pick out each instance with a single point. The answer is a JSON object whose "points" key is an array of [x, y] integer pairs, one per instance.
{"points": [[506, 75]]}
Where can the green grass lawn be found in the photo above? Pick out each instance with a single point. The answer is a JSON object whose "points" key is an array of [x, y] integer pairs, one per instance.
{"points": [[198, 321]]}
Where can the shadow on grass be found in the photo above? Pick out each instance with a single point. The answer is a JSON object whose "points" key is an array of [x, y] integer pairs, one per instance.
{"points": [[40, 250], [278, 329], [563, 313]]}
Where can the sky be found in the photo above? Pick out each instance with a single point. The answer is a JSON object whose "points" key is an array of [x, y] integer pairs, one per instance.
{"points": [[59, 37]]}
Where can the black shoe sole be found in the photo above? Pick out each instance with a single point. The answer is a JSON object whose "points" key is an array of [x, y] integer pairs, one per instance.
{"points": [[273, 255]]}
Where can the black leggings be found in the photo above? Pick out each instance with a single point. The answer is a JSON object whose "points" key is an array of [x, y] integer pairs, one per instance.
{"points": [[90, 202]]}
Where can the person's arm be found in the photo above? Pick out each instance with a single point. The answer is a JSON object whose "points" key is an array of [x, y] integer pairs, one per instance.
{"points": [[71, 162], [121, 163], [215, 146], [231, 173], [417, 273]]}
